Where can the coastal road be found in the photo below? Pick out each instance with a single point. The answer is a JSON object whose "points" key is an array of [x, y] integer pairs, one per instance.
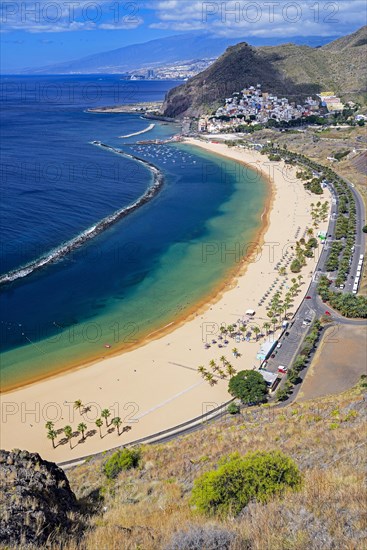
{"points": [[312, 306]]}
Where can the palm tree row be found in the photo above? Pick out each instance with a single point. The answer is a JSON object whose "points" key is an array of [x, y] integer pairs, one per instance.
{"points": [[67, 430], [82, 427], [222, 371]]}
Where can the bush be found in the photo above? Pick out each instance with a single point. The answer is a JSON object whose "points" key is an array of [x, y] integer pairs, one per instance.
{"points": [[282, 394], [296, 266], [202, 538], [249, 386], [240, 479], [364, 229], [121, 460], [233, 408]]}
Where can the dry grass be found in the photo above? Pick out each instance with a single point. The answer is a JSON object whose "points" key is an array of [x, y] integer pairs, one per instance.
{"points": [[326, 438], [144, 508]]}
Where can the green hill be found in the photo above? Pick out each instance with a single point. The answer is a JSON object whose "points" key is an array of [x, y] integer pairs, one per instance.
{"points": [[287, 70]]}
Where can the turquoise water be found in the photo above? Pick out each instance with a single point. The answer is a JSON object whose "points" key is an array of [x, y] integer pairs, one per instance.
{"points": [[144, 272]]}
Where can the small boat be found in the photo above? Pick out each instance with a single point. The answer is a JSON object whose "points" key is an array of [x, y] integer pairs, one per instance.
{"points": [[108, 346]]}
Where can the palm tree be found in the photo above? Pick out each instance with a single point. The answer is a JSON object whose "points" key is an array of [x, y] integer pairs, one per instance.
{"points": [[282, 311], [52, 435], [209, 377], [81, 428], [300, 277], [267, 327], [117, 422], [231, 371], [201, 369], [212, 364], [78, 405], [282, 271], [287, 304], [99, 424], [256, 331], [68, 431], [310, 232], [235, 352], [223, 359], [49, 425], [105, 414]]}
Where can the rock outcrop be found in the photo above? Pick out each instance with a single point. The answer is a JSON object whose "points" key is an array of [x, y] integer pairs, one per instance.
{"points": [[35, 499]]}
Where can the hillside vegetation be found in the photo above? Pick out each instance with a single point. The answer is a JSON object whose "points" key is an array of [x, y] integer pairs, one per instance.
{"points": [[150, 506], [287, 70]]}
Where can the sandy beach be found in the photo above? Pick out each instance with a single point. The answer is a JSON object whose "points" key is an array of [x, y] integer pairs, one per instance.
{"points": [[157, 386]]}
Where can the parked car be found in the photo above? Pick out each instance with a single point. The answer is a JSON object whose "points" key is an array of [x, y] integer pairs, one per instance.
{"points": [[308, 298], [279, 345], [327, 313], [282, 369]]}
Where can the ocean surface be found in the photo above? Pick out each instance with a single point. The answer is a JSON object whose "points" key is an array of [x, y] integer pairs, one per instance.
{"points": [[133, 276]]}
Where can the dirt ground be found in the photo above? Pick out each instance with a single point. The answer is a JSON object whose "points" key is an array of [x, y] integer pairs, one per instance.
{"points": [[339, 362]]}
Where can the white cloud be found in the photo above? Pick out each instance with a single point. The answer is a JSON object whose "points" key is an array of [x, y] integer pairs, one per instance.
{"points": [[261, 17], [67, 15]]}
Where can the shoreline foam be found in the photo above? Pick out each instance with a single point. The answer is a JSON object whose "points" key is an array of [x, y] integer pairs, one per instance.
{"points": [[76, 242]]}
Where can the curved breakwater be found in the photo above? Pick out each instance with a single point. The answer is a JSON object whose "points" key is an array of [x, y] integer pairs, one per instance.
{"points": [[67, 247], [147, 129]]}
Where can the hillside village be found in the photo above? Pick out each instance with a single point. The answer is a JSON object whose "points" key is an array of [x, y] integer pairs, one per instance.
{"points": [[253, 106]]}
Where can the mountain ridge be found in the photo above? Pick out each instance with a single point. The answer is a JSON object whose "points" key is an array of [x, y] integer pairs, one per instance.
{"points": [[157, 52], [288, 70]]}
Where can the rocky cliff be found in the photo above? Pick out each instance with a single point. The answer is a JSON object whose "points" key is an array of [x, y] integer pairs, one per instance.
{"points": [[35, 499]]}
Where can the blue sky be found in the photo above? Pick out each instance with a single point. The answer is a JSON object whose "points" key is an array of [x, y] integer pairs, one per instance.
{"points": [[47, 31]]}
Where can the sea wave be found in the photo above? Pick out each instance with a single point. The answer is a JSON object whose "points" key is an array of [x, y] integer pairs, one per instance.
{"points": [[67, 247], [147, 129]]}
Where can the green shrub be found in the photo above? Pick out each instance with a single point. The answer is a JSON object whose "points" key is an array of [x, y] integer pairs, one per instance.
{"points": [[296, 266], [233, 408], [282, 394], [121, 460], [240, 479]]}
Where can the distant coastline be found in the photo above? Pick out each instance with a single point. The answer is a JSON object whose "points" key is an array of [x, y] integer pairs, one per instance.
{"points": [[140, 108]]}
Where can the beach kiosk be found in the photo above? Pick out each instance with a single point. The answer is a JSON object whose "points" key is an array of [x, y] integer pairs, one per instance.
{"points": [[270, 378], [266, 349], [250, 312]]}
